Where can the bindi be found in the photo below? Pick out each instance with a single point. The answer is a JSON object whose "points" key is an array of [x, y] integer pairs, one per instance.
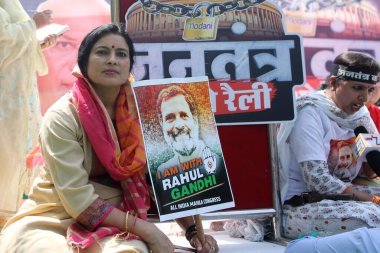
{"points": [[113, 46]]}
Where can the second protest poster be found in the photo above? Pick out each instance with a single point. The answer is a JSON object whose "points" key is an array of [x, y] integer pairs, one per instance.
{"points": [[184, 154]]}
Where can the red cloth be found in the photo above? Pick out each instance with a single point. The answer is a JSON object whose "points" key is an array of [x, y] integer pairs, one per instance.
{"points": [[375, 115]]}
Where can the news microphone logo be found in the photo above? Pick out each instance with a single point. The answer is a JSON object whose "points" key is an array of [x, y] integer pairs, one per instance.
{"points": [[368, 146]]}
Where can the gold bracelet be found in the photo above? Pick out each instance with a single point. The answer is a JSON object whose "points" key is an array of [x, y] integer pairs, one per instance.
{"points": [[126, 221], [376, 200]]}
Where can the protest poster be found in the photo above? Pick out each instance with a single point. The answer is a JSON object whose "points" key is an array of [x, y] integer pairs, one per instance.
{"points": [[184, 154]]}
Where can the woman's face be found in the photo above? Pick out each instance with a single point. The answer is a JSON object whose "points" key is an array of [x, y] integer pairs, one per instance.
{"points": [[350, 96], [108, 62]]}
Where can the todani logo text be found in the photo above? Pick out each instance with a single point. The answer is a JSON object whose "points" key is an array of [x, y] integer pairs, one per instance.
{"points": [[201, 26]]}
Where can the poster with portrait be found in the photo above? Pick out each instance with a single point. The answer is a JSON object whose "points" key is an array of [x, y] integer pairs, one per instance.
{"points": [[184, 154], [342, 161]]}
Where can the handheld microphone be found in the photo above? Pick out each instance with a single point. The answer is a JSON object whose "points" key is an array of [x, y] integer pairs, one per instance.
{"points": [[360, 130], [368, 145]]}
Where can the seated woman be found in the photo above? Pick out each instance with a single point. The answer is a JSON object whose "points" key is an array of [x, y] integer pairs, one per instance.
{"points": [[310, 159], [92, 195]]}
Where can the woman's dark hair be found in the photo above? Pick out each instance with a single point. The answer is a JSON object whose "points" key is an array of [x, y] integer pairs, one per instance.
{"points": [[94, 36], [358, 62]]}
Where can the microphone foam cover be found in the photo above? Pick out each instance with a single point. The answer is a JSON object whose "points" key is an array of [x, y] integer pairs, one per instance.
{"points": [[360, 130]]}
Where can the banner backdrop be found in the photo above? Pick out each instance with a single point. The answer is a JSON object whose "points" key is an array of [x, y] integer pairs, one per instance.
{"points": [[242, 46], [327, 27], [183, 149], [330, 28]]}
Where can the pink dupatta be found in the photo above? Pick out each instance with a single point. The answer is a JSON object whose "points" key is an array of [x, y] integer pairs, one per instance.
{"points": [[125, 164]]}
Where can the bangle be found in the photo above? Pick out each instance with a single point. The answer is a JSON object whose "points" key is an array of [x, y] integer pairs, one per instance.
{"points": [[191, 229], [189, 237], [191, 232], [376, 200], [126, 221]]}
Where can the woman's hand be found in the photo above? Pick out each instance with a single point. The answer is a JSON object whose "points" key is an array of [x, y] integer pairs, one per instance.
{"points": [[42, 18], [158, 242], [210, 245]]}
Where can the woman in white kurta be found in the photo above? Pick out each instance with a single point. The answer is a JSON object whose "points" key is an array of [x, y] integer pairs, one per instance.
{"points": [[317, 153], [92, 195], [20, 60]]}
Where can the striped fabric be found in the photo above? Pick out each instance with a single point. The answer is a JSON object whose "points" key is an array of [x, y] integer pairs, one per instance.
{"points": [[79, 237], [123, 155]]}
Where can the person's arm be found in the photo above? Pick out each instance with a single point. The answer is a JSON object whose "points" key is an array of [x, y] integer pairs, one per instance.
{"points": [[17, 26], [61, 144], [60, 139], [210, 245], [18, 37], [17, 33], [368, 172], [42, 19], [318, 178], [157, 241], [308, 145], [359, 195], [24, 29]]}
